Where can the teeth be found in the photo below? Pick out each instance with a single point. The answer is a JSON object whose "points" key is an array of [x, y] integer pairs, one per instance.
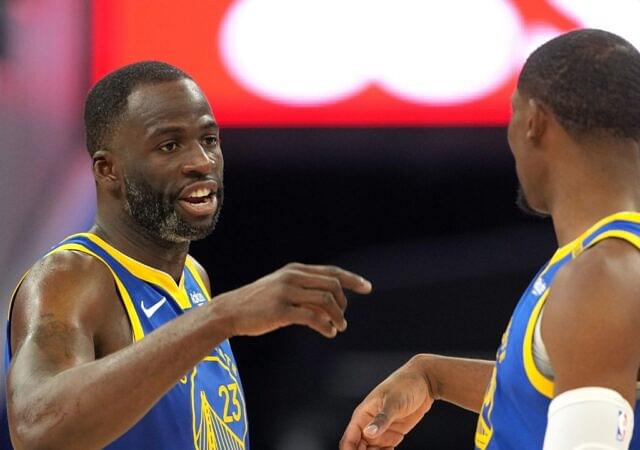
{"points": [[200, 193]]}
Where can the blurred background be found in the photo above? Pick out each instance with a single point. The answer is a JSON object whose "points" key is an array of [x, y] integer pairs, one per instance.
{"points": [[362, 133]]}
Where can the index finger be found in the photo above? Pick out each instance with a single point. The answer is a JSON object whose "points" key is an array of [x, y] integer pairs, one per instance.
{"points": [[348, 280]]}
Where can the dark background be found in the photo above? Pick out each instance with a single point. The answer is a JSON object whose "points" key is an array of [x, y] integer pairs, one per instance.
{"points": [[428, 215]]}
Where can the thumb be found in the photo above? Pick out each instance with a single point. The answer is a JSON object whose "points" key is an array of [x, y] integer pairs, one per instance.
{"points": [[383, 419]]}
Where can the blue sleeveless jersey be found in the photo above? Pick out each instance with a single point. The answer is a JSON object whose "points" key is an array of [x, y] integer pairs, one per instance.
{"points": [[206, 409], [514, 411]]}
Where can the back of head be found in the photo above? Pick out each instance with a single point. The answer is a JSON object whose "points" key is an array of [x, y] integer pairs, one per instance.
{"points": [[106, 102], [590, 79]]}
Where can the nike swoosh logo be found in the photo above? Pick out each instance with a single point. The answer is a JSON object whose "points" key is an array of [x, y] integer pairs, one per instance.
{"points": [[152, 310]]}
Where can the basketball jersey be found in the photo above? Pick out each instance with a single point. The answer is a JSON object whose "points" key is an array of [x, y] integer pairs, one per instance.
{"points": [[514, 411], [205, 410]]}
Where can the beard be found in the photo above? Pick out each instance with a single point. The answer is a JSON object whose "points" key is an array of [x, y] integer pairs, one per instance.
{"points": [[155, 213], [525, 206]]}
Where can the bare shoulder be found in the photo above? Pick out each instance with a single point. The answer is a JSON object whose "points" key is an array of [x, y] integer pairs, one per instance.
{"points": [[606, 275], [203, 273], [590, 323], [65, 287]]}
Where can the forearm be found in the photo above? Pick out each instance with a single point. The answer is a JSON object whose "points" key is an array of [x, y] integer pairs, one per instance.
{"points": [[460, 381], [91, 404]]}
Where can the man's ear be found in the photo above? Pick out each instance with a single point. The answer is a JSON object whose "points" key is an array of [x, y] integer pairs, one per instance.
{"points": [[106, 170], [537, 121]]}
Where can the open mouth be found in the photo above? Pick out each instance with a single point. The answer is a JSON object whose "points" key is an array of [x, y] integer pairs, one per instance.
{"points": [[198, 196], [199, 202]]}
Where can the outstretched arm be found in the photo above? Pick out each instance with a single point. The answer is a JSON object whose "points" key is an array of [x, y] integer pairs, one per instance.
{"points": [[395, 406], [60, 395]]}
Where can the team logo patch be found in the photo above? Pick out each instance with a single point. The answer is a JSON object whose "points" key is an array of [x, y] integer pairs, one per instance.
{"points": [[197, 298], [623, 423], [539, 286]]}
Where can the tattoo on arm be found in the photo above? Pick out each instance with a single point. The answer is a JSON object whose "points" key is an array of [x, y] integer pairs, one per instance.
{"points": [[58, 342]]}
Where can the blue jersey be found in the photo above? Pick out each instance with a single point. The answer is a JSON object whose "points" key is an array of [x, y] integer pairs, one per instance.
{"points": [[514, 411], [205, 410]]}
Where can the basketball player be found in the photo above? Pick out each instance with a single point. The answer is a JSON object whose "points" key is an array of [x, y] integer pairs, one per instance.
{"points": [[566, 372], [114, 340]]}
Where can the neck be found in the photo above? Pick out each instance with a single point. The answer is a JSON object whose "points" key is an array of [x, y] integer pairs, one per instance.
{"points": [[166, 256], [592, 184]]}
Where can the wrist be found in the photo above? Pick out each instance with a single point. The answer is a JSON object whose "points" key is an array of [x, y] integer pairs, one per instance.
{"points": [[425, 364], [222, 317]]}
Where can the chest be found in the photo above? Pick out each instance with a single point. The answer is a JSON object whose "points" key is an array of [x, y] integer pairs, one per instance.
{"points": [[135, 308]]}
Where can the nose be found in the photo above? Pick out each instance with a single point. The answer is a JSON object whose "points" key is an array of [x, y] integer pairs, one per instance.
{"points": [[199, 161]]}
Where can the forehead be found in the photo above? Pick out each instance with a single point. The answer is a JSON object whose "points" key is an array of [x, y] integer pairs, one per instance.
{"points": [[172, 102]]}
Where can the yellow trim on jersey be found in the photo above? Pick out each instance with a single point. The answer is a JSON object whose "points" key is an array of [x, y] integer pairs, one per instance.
{"points": [[575, 245], [15, 291], [144, 272], [134, 320], [537, 379], [619, 234], [190, 264]]}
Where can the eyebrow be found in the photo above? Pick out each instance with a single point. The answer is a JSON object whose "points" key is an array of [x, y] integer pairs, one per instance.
{"points": [[159, 131], [210, 124], [175, 129]]}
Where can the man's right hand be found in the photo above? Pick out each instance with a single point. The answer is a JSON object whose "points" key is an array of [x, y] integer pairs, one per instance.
{"points": [[296, 294], [390, 411]]}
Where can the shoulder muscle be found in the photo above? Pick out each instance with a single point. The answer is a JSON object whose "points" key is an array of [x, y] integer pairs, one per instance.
{"points": [[590, 325], [67, 290]]}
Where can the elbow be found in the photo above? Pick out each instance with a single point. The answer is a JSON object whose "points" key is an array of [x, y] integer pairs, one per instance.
{"points": [[31, 431], [24, 437], [25, 440]]}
